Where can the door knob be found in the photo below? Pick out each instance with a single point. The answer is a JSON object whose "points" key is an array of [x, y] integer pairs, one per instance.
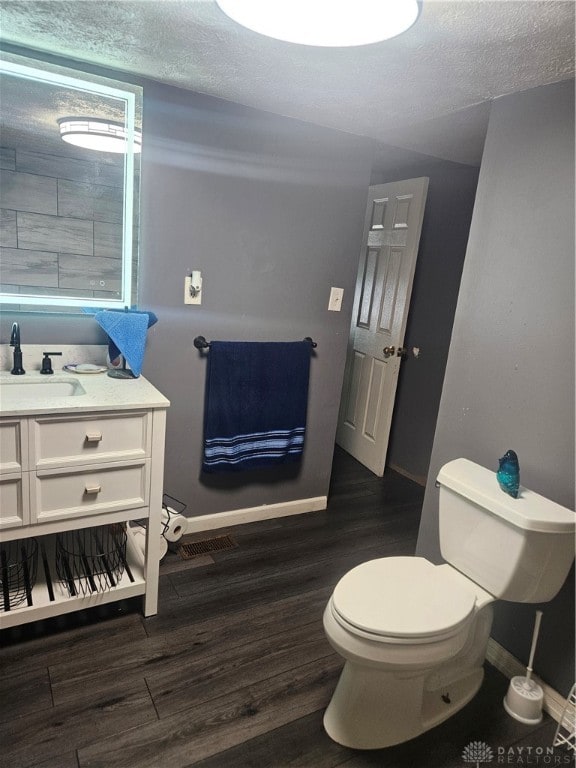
{"points": [[389, 351]]}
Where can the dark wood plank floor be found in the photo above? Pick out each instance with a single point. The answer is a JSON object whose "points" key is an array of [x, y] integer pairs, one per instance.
{"points": [[234, 671]]}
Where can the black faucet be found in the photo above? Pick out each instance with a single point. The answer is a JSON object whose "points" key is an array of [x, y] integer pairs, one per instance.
{"points": [[17, 369]]}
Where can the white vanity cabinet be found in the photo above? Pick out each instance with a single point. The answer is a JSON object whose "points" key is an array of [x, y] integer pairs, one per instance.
{"points": [[74, 463]]}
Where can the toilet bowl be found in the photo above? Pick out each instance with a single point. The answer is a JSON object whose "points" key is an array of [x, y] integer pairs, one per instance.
{"points": [[413, 635]]}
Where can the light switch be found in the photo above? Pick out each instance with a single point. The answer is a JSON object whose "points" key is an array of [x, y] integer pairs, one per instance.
{"points": [[335, 301]]}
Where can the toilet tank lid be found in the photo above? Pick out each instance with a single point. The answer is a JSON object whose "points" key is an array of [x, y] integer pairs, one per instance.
{"points": [[529, 511]]}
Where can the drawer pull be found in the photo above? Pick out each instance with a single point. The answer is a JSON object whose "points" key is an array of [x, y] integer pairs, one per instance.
{"points": [[93, 437], [92, 489]]}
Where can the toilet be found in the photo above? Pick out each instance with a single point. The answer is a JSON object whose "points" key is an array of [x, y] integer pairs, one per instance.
{"points": [[414, 634]]}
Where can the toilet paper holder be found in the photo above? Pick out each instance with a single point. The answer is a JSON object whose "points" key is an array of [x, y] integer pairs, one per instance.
{"points": [[170, 501], [172, 519]]}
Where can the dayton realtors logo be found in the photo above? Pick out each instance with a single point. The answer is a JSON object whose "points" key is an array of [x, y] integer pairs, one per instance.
{"points": [[478, 753]]}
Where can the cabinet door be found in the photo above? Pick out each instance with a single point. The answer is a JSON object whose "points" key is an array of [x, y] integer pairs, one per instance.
{"points": [[89, 490], [14, 506], [60, 441], [13, 446]]}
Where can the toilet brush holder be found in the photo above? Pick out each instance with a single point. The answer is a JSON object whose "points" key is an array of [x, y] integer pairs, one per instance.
{"points": [[525, 698]]}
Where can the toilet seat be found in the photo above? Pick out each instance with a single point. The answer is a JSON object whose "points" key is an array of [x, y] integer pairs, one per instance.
{"points": [[404, 600]]}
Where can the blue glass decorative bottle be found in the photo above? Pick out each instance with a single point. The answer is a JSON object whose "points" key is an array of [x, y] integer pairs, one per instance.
{"points": [[508, 474]]}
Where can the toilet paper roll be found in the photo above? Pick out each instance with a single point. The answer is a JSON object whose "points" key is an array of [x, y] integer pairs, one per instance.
{"points": [[136, 545], [133, 550], [174, 525], [139, 534]]}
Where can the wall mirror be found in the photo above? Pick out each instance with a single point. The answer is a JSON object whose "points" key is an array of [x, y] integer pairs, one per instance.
{"points": [[68, 214]]}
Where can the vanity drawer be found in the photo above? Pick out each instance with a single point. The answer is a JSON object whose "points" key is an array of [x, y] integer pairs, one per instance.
{"points": [[89, 490], [14, 506], [60, 441], [13, 446]]}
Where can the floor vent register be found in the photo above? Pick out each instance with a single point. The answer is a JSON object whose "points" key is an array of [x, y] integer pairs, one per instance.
{"points": [[189, 549]]}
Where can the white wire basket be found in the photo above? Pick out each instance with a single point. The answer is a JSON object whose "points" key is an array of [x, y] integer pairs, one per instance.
{"points": [[566, 731]]}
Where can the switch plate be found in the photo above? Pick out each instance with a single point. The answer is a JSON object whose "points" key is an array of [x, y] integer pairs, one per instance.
{"points": [[335, 301], [188, 298]]}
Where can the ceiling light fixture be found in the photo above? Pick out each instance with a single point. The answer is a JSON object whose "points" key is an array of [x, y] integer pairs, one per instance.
{"points": [[98, 134], [331, 23]]}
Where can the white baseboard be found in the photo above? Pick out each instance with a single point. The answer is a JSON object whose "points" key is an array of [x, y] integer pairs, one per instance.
{"points": [[255, 514], [499, 657]]}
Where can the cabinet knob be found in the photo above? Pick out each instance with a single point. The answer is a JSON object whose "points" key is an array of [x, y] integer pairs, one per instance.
{"points": [[93, 437], [92, 489]]}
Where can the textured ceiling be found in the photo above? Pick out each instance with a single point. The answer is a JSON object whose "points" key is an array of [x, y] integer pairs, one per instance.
{"points": [[427, 90]]}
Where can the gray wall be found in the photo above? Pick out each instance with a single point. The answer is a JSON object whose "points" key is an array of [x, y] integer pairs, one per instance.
{"points": [[510, 374], [271, 211], [445, 228]]}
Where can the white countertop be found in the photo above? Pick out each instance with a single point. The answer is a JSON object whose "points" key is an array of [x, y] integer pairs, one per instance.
{"points": [[102, 393]]}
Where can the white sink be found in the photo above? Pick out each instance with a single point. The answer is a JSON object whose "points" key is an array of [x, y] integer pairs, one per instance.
{"points": [[25, 389]]}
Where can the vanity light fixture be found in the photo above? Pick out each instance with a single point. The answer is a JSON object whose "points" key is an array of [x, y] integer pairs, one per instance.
{"points": [[96, 133], [329, 23]]}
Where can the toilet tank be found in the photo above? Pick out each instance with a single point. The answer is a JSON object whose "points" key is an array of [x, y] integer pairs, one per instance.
{"points": [[516, 549]]}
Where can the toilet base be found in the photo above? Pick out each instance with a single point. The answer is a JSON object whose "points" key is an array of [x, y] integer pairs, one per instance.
{"points": [[372, 708]]}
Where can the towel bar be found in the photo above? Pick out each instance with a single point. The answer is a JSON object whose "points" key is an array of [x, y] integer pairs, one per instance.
{"points": [[201, 343]]}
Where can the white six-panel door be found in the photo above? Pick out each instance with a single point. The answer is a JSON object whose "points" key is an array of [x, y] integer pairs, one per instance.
{"points": [[386, 271]]}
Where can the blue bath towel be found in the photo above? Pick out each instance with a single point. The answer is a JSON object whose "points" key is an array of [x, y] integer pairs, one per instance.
{"points": [[127, 331], [256, 403]]}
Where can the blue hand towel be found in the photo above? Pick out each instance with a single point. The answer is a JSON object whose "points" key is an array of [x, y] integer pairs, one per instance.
{"points": [[127, 332], [113, 351], [256, 403]]}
